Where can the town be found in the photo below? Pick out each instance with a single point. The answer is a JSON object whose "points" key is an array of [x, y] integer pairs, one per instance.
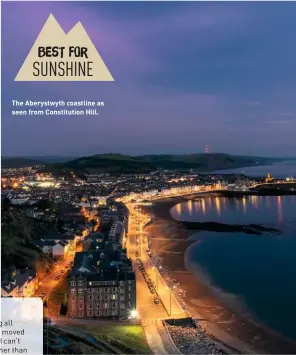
{"points": [[81, 245]]}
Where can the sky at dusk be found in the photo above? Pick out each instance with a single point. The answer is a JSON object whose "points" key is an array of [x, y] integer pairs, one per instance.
{"points": [[186, 75]]}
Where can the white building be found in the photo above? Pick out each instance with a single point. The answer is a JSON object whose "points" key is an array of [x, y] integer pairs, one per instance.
{"points": [[60, 250]]}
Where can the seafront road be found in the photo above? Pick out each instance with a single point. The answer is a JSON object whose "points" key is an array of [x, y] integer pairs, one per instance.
{"points": [[149, 312]]}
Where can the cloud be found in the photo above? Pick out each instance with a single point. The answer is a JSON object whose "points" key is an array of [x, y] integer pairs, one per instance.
{"points": [[187, 74]]}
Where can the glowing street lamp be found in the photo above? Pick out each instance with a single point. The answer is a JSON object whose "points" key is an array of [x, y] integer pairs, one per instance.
{"points": [[134, 313]]}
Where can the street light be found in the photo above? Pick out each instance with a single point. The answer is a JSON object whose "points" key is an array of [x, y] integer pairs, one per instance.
{"points": [[134, 315]]}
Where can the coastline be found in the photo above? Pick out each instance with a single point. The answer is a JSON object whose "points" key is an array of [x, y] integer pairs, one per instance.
{"points": [[222, 323]]}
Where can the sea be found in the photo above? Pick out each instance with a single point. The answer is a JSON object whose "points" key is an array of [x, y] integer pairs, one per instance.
{"points": [[254, 274], [277, 170]]}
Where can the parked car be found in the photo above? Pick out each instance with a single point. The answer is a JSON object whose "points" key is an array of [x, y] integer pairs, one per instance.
{"points": [[48, 321]]}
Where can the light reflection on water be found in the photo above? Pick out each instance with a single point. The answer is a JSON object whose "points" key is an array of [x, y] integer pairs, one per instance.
{"points": [[259, 269], [244, 210]]}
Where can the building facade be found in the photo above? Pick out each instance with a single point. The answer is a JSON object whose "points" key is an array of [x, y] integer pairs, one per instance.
{"points": [[101, 289]]}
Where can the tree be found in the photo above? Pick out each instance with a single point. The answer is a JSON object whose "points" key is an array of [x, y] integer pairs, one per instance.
{"points": [[45, 204], [6, 203], [64, 309], [60, 225]]}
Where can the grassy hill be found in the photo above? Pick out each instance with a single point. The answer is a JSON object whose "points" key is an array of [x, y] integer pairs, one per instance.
{"points": [[17, 233], [99, 338], [112, 163], [118, 163]]}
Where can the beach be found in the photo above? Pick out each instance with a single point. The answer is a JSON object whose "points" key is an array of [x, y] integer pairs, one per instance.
{"points": [[170, 240]]}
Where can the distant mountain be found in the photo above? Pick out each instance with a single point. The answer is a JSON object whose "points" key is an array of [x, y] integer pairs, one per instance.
{"points": [[52, 159], [118, 163], [18, 162]]}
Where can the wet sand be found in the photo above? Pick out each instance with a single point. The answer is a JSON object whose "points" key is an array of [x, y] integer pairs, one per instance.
{"points": [[170, 241]]}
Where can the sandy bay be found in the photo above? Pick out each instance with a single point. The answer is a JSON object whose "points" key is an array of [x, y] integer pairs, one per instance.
{"points": [[170, 240]]}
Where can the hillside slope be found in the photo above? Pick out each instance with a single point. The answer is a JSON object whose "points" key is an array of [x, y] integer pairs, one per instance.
{"points": [[118, 163]]}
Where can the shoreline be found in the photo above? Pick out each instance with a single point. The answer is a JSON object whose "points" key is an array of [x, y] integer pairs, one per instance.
{"points": [[222, 323]]}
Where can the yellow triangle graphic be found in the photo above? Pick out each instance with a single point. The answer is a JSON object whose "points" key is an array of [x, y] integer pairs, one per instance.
{"points": [[46, 68]]}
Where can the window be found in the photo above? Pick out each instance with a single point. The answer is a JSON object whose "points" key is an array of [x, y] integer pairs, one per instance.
{"points": [[98, 297], [114, 289], [105, 305], [90, 298], [90, 306], [129, 295], [106, 297], [113, 297], [129, 288], [89, 290], [113, 305], [73, 290], [98, 305], [90, 313], [80, 306], [73, 283], [80, 283], [98, 313], [80, 290], [106, 289]]}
